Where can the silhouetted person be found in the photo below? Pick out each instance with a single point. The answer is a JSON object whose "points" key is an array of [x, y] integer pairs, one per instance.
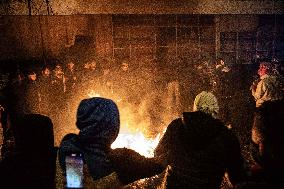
{"points": [[206, 101], [45, 88], [200, 149], [125, 83], [31, 93], [99, 122], [267, 139], [267, 148], [70, 76], [224, 90], [32, 164]]}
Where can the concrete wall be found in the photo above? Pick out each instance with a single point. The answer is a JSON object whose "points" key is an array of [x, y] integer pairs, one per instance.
{"points": [[38, 36], [34, 36], [66, 7]]}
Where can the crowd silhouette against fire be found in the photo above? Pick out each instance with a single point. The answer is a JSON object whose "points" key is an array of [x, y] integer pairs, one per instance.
{"points": [[223, 118]]}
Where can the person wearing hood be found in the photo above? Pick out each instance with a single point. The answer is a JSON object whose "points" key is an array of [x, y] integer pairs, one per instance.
{"points": [[206, 100], [200, 149], [99, 123]]}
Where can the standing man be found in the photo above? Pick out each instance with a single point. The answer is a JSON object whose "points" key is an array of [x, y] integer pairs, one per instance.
{"points": [[45, 81], [70, 76], [266, 136], [31, 94], [224, 92], [268, 88]]}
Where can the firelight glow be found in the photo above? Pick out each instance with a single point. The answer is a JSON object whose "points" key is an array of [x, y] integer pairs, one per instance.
{"points": [[138, 142], [93, 93], [129, 137]]}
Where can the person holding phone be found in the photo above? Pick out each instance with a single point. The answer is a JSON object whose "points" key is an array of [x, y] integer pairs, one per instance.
{"points": [[89, 154], [98, 122]]}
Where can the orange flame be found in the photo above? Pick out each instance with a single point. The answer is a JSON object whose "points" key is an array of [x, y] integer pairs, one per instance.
{"points": [[93, 93], [138, 142], [129, 137]]}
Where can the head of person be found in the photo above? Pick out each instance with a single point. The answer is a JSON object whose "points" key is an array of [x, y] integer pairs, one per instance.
{"points": [[93, 64], [206, 102], [124, 66], [58, 72], [219, 63], [31, 75], [70, 65], [20, 76], [86, 65], [106, 71], [98, 121], [46, 71], [265, 67]]}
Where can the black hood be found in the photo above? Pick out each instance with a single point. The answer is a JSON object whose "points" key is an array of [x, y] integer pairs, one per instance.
{"points": [[200, 129]]}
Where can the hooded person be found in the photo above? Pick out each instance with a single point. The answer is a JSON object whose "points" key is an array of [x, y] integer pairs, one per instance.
{"points": [[99, 123], [206, 101], [200, 149]]}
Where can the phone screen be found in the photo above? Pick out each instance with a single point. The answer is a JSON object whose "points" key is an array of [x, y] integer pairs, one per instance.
{"points": [[74, 171]]}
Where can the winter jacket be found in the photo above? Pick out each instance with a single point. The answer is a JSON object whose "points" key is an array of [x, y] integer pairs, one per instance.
{"points": [[200, 149]]}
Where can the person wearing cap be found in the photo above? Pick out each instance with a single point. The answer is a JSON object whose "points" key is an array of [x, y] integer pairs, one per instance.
{"points": [[268, 87], [200, 148]]}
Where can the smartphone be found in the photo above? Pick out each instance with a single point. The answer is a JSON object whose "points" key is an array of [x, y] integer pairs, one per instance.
{"points": [[74, 171]]}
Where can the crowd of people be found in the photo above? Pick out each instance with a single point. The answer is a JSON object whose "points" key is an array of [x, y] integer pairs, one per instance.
{"points": [[197, 149], [54, 88]]}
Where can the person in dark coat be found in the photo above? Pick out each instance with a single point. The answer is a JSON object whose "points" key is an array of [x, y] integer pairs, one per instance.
{"points": [[31, 93], [45, 88], [32, 164], [200, 149], [99, 123], [70, 76]]}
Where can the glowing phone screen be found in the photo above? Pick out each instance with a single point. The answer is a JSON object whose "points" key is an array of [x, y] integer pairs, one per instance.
{"points": [[74, 171]]}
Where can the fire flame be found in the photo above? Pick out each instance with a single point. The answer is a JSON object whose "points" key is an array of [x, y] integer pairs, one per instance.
{"points": [[129, 138], [93, 93], [138, 142]]}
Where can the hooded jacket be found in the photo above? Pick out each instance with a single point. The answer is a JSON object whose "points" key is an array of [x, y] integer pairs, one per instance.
{"points": [[98, 121], [200, 149]]}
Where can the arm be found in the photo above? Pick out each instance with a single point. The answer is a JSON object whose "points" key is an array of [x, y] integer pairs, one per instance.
{"points": [[131, 166]]}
